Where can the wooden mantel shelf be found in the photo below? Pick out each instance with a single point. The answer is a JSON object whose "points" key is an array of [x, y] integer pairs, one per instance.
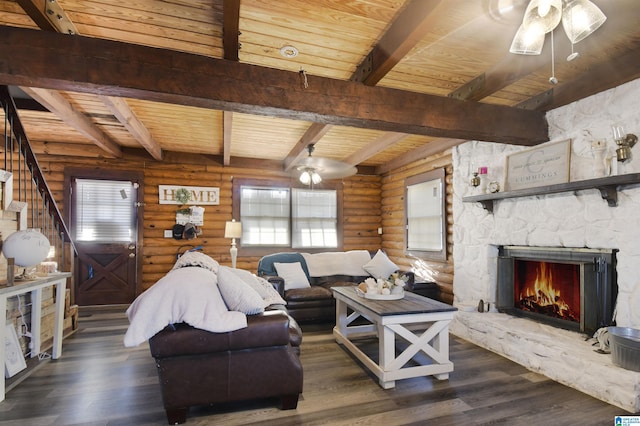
{"points": [[608, 187]]}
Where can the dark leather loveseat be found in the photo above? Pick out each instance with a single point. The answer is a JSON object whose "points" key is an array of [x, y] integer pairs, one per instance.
{"points": [[314, 303], [197, 367]]}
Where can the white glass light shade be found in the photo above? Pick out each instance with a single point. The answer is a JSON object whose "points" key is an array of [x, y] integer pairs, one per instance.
{"points": [[315, 178], [543, 13], [528, 41], [305, 178], [233, 229], [581, 18], [28, 248]]}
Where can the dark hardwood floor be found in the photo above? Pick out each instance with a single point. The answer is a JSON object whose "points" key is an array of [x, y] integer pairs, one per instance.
{"points": [[100, 382]]}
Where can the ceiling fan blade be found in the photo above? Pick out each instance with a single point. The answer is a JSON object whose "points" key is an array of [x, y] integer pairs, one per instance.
{"points": [[327, 168]]}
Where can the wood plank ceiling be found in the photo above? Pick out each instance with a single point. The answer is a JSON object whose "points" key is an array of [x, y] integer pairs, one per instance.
{"points": [[374, 83]]}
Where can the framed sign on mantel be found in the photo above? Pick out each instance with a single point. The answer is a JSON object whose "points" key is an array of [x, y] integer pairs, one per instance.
{"points": [[547, 164]]}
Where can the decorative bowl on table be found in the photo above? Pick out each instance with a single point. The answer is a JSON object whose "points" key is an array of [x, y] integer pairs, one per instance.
{"points": [[391, 288]]}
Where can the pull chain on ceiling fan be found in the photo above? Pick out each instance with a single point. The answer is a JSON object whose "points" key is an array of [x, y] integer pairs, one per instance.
{"points": [[312, 170]]}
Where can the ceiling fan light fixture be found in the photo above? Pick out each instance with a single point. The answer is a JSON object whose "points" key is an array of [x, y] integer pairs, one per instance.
{"points": [[528, 41], [580, 19], [543, 13], [305, 177], [315, 178]]}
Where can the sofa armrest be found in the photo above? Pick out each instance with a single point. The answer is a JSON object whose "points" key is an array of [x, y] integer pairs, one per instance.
{"points": [[277, 283]]}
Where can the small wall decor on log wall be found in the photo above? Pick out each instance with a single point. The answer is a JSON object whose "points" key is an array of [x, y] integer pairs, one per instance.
{"points": [[169, 194]]}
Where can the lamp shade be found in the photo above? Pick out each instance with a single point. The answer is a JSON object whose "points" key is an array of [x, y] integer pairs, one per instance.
{"points": [[580, 19], [28, 248], [528, 41], [543, 13], [233, 229]]}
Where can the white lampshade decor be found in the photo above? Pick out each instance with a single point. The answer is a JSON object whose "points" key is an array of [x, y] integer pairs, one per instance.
{"points": [[233, 230], [27, 248]]}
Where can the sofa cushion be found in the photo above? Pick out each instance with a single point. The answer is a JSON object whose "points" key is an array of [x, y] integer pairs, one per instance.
{"points": [[269, 294], [310, 293], [293, 275], [380, 266], [237, 294]]}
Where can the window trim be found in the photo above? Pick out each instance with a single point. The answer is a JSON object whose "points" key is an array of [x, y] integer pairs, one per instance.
{"points": [[290, 184], [437, 174]]}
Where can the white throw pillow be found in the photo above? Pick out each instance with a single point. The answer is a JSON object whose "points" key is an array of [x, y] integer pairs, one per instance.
{"points": [[293, 275], [263, 287], [380, 266], [238, 295]]}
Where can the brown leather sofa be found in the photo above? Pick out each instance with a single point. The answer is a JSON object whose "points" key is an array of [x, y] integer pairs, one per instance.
{"points": [[315, 303], [197, 367]]}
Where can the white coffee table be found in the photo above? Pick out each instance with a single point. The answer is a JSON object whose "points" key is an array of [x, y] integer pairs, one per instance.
{"points": [[421, 322]]}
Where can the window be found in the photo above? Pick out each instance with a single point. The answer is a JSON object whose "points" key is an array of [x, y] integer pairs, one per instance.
{"points": [[104, 211], [314, 218], [264, 213], [425, 215], [288, 217]]}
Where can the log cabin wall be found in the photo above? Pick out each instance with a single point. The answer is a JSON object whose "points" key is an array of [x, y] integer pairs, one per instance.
{"points": [[361, 208], [393, 223]]}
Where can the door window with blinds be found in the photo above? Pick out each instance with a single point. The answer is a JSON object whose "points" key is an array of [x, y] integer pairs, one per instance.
{"points": [[288, 217], [425, 215], [104, 211]]}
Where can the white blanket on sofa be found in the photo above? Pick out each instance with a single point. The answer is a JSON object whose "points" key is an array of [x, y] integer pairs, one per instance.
{"points": [[337, 263], [187, 294]]}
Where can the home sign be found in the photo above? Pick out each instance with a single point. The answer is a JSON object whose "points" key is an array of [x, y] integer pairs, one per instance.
{"points": [[178, 194]]}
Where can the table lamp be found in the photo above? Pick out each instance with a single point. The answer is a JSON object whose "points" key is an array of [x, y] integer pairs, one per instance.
{"points": [[27, 248], [233, 230]]}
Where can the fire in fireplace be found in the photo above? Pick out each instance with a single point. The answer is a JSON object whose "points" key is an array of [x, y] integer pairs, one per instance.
{"points": [[569, 288], [548, 288]]}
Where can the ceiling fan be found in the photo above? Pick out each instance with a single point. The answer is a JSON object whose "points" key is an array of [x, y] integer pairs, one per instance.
{"points": [[312, 170]]}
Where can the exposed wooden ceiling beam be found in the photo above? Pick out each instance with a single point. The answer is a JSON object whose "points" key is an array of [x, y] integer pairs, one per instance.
{"points": [[125, 115], [231, 46], [375, 147], [40, 11], [614, 72], [314, 133], [407, 29], [421, 152], [231, 29], [227, 125], [111, 68], [58, 105]]}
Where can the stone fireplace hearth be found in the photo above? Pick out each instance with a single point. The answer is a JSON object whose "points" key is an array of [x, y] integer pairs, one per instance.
{"points": [[579, 219]]}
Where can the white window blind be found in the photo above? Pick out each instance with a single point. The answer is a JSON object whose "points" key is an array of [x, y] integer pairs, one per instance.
{"points": [[424, 218], [264, 213], [103, 214], [314, 218]]}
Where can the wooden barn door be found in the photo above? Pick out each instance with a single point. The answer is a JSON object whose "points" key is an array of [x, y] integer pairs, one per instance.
{"points": [[105, 216]]}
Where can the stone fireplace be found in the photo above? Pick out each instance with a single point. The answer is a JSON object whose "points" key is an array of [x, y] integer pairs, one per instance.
{"points": [[576, 219], [571, 288]]}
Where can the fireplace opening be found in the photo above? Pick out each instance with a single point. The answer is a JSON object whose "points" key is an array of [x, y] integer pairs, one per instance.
{"points": [[569, 288], [548, 288]]}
